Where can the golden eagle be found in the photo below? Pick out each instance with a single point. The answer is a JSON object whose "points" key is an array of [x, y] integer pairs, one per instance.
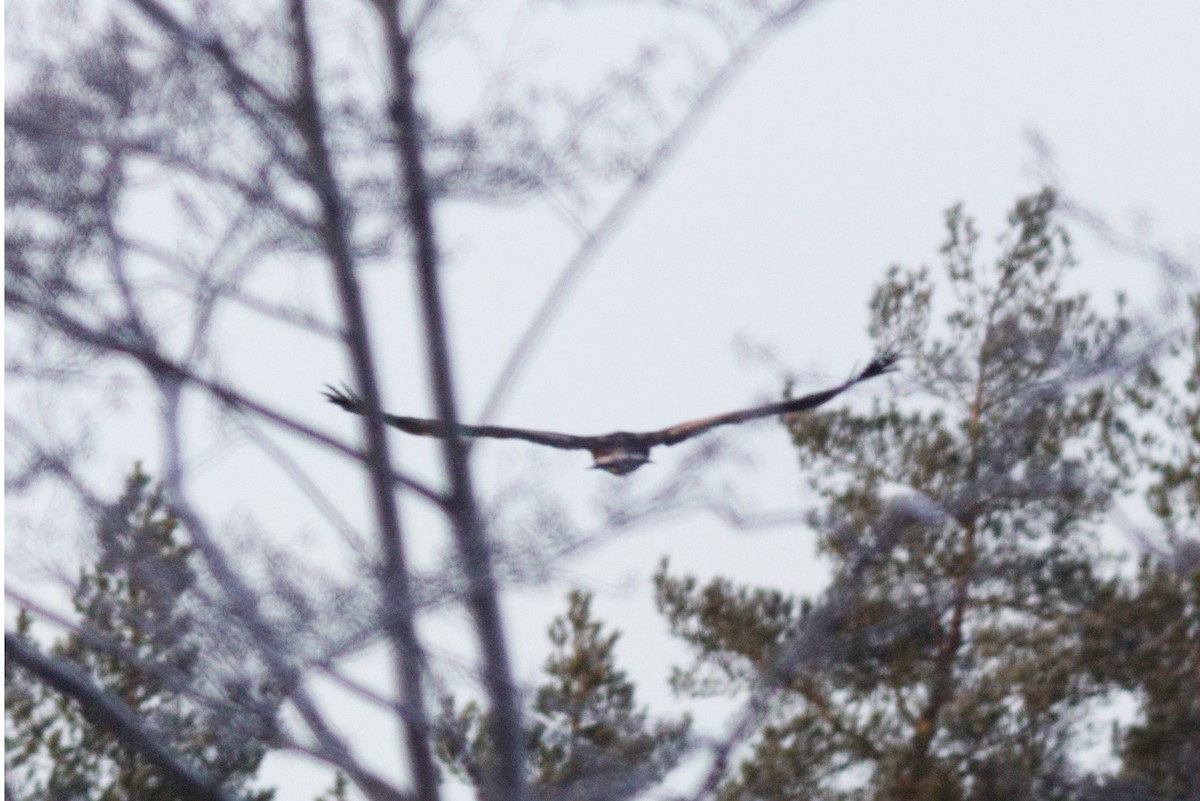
{"points": [[620, 452]]}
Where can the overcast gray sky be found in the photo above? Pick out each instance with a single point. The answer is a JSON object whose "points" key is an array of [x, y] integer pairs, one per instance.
{"points": [[833, 157]]}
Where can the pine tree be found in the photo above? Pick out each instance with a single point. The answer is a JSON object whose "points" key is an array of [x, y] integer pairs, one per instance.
{"points": [[1145, 638], [138, 641], [958, 668], [1145, 634], [587, 738], [1174, 496]]}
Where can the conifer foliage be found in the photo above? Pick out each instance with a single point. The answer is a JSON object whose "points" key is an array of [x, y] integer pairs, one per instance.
{"points": [[137, 641], [963, 668], [1144, 636], [587, 738]]}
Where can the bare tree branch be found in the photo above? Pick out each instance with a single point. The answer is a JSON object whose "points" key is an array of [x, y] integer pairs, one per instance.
{"points": [[241, 601], [464, 512], [575, 268], [399, 620], [179, 32], [160, 366], [104, 710]]}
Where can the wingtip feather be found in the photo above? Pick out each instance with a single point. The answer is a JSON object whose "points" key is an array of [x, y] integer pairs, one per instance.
{"points": [[340, 396], [884, 362]]}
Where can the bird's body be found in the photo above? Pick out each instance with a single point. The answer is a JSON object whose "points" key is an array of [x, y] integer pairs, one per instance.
{"points": [[620, 452]]}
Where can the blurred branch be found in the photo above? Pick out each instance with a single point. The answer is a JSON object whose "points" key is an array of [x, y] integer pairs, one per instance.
{"points": [[311, 489], [1178, 272], [106, 711], [212, 46], [813, 644], [100, 643], [374, 786], [576, 267], [468, 527], [160, 366], [399, 624], [242, 602], [210, 289]]}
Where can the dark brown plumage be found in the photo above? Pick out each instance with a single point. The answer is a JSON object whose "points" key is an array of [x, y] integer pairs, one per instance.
{"points": [[620, 452]]}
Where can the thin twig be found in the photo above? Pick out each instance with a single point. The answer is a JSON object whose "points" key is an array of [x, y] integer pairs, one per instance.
{"points": [[158, 365], [575, 268]]}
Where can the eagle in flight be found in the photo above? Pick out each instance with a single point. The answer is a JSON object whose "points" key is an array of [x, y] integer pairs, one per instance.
{"points": [[620, 452]]}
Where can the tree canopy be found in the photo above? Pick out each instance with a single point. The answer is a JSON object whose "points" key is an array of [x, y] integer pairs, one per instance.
{"points": [[139, 642], [967, 652], [587, 738]]}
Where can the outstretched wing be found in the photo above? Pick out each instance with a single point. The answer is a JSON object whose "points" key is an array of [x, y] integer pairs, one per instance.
{"points": [[349, 401], [884, 362]]}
